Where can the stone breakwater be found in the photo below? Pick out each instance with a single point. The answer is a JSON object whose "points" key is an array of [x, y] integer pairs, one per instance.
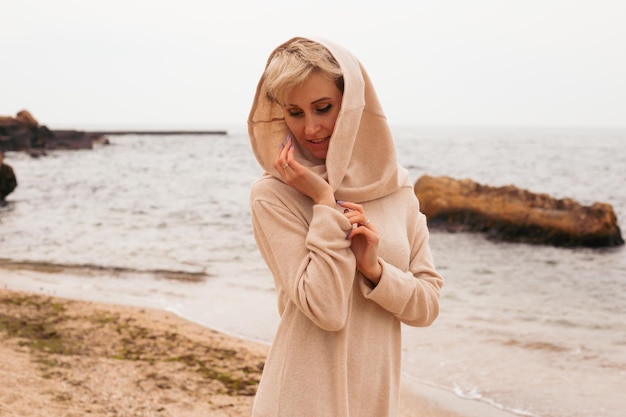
{"points": [[24, 133]]}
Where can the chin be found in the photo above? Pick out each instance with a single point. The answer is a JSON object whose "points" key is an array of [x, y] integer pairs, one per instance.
{"points": [[319, 155]]}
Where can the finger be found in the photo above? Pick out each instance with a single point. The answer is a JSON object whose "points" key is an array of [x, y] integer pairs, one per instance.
{"points": [[353, 216], [366, 232], [290, 152], [354, 213], [351, 206], [290, 156], [281, 162], [287, 158], [284, 151]]}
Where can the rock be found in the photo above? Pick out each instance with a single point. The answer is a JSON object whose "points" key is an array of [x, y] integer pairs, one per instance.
{"points": [[8, 181], [511, 214], [24, 133], [26, 118]]}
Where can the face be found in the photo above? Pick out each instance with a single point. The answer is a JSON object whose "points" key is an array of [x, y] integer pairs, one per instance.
{"points": [[311, 112]]}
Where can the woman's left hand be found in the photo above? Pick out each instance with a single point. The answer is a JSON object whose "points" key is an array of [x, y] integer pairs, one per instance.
{"points": [[364, 237]]}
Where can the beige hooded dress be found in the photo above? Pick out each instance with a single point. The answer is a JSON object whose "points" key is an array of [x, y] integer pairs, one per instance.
{"points": [[337, 350]]}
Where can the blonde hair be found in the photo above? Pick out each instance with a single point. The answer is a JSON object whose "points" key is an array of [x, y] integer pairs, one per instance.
{"points": [[293, 63]]}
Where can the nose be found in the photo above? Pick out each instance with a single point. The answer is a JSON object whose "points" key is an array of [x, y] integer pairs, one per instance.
{"points": [[311, 126]]}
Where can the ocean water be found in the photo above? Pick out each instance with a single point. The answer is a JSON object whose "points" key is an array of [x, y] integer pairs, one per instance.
{"points": [[164, 221]]}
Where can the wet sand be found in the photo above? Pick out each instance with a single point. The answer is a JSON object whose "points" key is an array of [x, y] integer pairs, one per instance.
{"points": [[61, 357]]}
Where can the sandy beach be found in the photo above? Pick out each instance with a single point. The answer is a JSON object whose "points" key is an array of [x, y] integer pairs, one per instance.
{"points": [[70, 358], [62, 357]]}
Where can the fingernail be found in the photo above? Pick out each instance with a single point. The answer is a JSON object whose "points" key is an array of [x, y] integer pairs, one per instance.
{"points": [[281, 145], [348, 235], [340, 202]]}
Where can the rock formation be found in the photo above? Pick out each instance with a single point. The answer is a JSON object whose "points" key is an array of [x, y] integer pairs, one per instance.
{"points": [[511, 214], [24, 133]]}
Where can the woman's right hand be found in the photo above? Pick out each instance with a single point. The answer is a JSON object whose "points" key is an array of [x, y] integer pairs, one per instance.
{"points": [[302, 178]]}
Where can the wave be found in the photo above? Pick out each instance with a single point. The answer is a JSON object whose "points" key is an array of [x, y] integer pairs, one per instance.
{"points": [[465, 396]]}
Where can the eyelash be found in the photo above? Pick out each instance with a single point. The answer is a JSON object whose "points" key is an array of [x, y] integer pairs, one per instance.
{"points": [[325, 109], [322, 110]]}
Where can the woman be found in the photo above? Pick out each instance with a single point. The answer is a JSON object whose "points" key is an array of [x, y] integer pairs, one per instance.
{"points": [[338, 223]]}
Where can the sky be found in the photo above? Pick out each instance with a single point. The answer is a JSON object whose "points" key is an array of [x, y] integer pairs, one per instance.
{"points": [[195, 64]]}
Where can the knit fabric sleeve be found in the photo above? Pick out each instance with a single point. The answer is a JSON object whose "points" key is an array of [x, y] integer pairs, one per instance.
{"points": [[307, 253], [411, 295]]}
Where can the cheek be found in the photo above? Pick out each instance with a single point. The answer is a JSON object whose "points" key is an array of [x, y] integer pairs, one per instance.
{"points": [[333, 121], [295, 128]]}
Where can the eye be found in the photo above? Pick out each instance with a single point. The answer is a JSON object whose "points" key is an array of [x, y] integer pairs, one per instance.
{"points": [[293, 111], [325, 109]]}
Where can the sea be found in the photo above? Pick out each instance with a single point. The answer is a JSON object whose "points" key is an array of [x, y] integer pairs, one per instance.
{"points": [[163, 221]]}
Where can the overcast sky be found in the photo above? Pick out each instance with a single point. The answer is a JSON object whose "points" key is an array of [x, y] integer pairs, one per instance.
{"points": [[195, 64]]}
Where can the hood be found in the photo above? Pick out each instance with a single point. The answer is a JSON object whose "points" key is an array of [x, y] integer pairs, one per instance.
{"points": [[361, 163]]}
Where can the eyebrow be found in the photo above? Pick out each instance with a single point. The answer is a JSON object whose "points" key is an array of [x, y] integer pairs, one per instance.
{"points": [[313, 102]]}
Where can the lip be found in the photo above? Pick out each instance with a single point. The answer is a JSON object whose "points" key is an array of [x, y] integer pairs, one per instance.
{"points": [[318, 142]]}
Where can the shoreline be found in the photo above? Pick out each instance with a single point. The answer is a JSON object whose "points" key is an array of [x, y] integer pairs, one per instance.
{"points": [[98, 289], [65, 354]]}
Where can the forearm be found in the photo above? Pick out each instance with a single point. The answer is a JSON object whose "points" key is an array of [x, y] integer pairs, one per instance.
{"points": [[311, 260]]}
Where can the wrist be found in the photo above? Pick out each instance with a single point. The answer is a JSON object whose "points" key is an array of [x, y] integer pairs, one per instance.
{"points": [[375, 274], [326, 199]]}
